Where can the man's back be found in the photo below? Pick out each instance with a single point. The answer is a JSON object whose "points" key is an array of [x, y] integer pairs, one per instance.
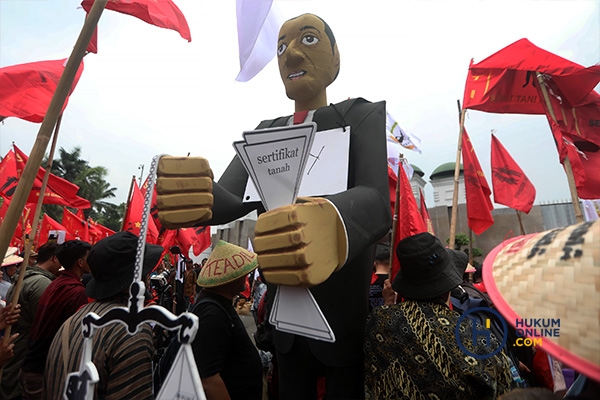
{"points": [[124, 361], [35, 282], [427, 359], [61, 299]]}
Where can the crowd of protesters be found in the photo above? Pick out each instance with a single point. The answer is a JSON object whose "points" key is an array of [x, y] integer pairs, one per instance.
{"points": [[410, 349]]}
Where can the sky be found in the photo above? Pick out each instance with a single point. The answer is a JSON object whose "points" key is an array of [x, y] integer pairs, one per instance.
{"points": [[148, 91]]}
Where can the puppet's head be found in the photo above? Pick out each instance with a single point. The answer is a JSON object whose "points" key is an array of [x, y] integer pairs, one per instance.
{"points": [[309, 60]]}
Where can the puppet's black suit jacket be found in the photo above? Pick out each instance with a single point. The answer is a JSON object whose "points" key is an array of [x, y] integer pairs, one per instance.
{"points": [[365, 210]]}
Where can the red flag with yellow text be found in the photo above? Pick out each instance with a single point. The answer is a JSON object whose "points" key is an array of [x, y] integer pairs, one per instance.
{"points": [[77, 228], [161, 13], [477, 190], [46, 225], [511, 186], [133, 217], [506, 81], [26, 89]]}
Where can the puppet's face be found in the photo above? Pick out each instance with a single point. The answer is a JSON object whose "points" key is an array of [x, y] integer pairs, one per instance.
{"points": [[307, 61]]}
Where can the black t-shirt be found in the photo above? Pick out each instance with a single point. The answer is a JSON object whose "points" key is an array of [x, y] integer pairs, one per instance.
{"points": [[222, 346], [375, 295]]}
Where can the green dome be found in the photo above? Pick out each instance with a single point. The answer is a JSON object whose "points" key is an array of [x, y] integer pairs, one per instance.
{"points": [[444, 171], [417, 170]]}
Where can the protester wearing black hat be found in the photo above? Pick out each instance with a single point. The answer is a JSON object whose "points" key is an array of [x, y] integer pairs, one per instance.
{"points": [[410, 348], [123, 361]]}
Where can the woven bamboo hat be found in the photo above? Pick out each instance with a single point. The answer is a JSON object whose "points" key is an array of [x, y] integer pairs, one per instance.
{"points": [[226, 263], [548, 276], [11, 257]]}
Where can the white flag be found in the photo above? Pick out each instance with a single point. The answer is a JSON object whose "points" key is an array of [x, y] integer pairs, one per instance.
{"points": [[258, 24], [405, 138]]}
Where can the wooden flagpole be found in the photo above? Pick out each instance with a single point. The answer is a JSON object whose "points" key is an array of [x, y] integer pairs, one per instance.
{"points": [[456, 176], [520, 222], [29, 243], [128, 201], [54, 110], [567, 162]]}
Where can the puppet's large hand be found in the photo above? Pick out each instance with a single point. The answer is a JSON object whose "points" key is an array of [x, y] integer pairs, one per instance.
{"points": [[184, 191], [300, 244]]}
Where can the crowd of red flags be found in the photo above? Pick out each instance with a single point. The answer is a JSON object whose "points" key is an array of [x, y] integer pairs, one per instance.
{"points": [[506, 82], [75, 224]]}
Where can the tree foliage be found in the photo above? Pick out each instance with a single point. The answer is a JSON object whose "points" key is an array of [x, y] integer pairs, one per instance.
{"points": [[92, 187]]}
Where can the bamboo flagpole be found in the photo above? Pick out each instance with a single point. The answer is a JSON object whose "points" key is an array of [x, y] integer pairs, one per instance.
{"points": [[567, 162], [520, 222], [456, 176], [29, 243], [54, 110]]}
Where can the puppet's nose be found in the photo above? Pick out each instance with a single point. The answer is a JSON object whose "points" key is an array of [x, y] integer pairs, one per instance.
{"points": [[293, 56]]}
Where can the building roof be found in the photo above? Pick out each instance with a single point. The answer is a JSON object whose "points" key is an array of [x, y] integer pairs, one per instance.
{"points": [[444, 171], [417, 170]]}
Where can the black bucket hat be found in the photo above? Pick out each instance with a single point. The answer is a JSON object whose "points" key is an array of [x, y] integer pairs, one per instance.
{"points": [[427, 268], [112, 262]]}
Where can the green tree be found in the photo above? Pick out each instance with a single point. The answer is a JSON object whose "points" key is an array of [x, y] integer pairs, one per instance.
{"points": [[92, 187]]}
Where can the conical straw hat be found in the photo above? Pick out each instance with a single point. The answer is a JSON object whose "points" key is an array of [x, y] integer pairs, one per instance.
{"points": [[553, 275], [226, 263], [11, 257]]}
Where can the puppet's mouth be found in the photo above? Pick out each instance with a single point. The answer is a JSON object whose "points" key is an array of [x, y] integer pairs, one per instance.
{"points": [[296, 75]]}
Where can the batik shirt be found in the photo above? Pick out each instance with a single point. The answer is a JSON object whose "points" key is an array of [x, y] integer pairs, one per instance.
{"points": [[411, 352]]}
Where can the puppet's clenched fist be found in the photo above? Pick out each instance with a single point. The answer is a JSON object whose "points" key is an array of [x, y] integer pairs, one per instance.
{"points": [[300, 244], [184, 191]]}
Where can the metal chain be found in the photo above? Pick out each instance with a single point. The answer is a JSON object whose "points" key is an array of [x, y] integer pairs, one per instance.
{"points": [[139, 255]]}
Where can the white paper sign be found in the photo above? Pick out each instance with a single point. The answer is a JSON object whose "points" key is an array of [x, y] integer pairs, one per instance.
{"points": [[328, 157], [274, 159]]}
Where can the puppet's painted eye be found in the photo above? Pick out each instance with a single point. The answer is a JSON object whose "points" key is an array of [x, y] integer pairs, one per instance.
{"points": [[310, 40], [281, 49]]}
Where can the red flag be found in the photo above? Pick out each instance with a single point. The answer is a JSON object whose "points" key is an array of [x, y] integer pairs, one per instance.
{"points": [[506, 81], [511, 186], [77, 228], [161, 13], [479, 205], [577, 134], [133, 218], [99, 231], [425, 214], [203, 239], [26, 89], [4, 202], [93, 45], [584, 157], [46, 225], [409, 218], [58, 190], [8, 175], [23, 227]]}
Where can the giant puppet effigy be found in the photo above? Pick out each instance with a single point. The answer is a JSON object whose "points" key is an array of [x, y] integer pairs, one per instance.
{"points": [[324, 242]]}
